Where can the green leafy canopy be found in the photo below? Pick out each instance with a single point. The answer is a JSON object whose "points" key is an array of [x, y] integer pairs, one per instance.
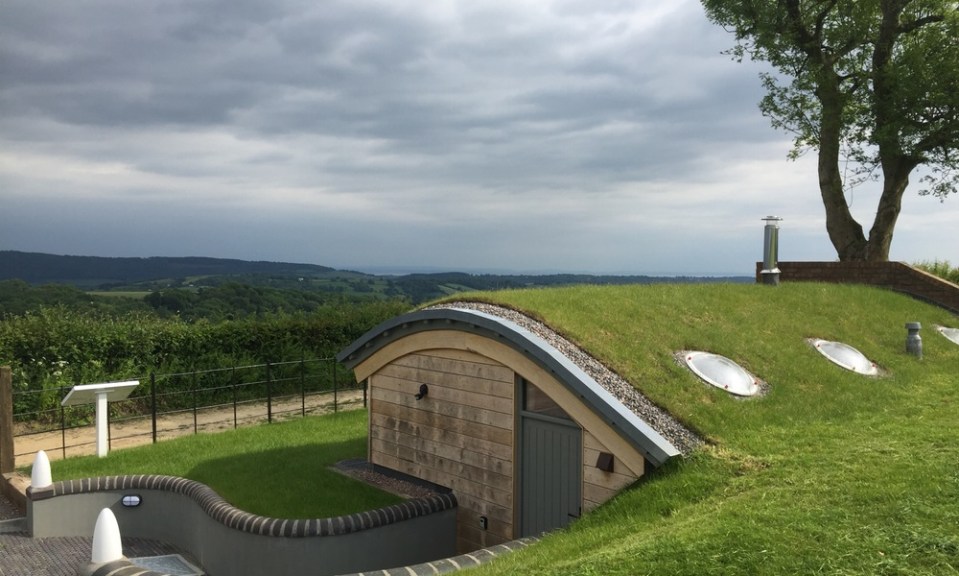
{"points": [[894, 63]]}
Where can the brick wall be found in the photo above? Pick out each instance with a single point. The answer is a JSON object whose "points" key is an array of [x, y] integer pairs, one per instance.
{"points": [[893, 275]]}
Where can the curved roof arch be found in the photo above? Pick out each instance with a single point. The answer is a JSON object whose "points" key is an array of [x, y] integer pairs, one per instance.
{"points": [[633, 429]]}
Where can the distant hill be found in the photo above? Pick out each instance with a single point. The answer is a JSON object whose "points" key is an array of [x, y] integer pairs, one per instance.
{"points": [[37, 268], [179, 283]]}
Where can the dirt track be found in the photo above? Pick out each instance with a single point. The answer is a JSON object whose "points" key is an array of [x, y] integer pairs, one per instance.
{"points": [[133, 432]]}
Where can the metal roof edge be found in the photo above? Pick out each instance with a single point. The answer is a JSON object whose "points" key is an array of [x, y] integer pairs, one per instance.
{"points": [[651, 443]]}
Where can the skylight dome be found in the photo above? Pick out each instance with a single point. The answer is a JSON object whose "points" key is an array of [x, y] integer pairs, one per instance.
{"points": [[951, 333], [846, 356], [722, 373]]}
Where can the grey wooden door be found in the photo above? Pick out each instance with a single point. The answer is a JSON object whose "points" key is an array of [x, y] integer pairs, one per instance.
{"points": [[550, 484]]}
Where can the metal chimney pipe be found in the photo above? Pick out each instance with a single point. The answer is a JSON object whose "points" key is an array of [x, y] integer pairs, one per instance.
{"points": [[770, 271]]}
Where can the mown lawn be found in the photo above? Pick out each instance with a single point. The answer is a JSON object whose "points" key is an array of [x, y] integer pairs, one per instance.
{"points": [[279, 470], [830, 473]]}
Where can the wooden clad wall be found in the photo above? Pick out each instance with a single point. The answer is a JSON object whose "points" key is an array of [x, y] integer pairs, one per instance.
{"points": [[600, 486], [459, 436]]}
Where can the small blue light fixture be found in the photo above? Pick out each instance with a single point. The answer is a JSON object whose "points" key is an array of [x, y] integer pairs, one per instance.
{"points": [[131, 500]]}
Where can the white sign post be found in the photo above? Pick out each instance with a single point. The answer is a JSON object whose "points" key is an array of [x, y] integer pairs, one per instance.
{"points": [[100, 394]]}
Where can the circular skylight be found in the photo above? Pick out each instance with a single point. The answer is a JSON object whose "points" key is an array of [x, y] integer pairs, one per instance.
{"points": [[950, 333], [722, 373], [846, 356]]}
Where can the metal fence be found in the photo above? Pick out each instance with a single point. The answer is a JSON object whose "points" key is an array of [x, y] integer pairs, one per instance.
{"points": [[168, 405]]}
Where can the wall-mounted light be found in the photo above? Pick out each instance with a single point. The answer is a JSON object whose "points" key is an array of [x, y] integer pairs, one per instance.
{"points": [[131, 500], [424, 390], [605, 462]]}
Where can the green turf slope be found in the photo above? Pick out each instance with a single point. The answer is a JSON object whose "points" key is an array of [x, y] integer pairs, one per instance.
{"points": [[830, 473]]}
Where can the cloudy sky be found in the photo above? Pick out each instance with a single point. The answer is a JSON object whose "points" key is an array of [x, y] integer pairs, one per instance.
{"points": [[605, 136]]}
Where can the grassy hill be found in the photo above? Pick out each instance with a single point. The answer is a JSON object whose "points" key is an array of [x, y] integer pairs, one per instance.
{"points": [[829, 473], [94, 270]]}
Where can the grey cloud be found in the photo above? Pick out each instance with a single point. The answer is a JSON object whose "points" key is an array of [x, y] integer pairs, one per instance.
{"points": [[493, 132]]}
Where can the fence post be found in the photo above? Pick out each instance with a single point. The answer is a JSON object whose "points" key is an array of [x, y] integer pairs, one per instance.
{"points": [[7, 460], [233, 389], [153, 401], [335, 386], [195, 428], [302, 384], [63, 431], [269, 394]]}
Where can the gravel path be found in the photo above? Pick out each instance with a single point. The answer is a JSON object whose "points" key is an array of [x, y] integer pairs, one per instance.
{"points": [[658, 419]]}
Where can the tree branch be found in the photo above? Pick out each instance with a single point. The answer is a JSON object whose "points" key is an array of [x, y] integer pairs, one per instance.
{"points": [[908, 27]]}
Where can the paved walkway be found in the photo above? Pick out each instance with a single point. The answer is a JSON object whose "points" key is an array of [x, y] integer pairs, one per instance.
{"points": [[21, 555]]}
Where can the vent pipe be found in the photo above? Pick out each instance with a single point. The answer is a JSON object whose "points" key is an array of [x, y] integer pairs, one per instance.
{"points": [[770, 271], [913, 339]]}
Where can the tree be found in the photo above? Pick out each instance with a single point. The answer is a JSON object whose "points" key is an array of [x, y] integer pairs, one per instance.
{"points": [[869, 84]]}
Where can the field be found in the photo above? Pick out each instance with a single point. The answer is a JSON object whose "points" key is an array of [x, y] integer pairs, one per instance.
{"points": [[243, 465], [134, 294]]}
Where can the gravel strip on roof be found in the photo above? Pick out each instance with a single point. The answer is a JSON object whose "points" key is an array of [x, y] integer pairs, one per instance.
{"points": [[658, 419]]}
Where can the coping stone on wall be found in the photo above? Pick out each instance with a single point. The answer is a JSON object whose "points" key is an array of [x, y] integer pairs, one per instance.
{"points": [[452, 564], [223, 512]]}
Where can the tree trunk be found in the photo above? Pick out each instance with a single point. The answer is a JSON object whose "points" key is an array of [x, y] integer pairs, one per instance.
{"points": [[896, 165], [844, 232], [895, 180]]}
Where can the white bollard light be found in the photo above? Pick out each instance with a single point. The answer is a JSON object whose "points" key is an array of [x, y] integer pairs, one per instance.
{"points": [[40, 474], [107, 546]]}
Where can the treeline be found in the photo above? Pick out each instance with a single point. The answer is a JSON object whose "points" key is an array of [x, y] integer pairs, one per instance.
{"points": [[226, 301], [233, 301], [96, 270], [18, 298]]}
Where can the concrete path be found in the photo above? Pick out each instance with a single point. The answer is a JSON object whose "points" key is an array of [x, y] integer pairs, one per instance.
{"points": [[21, 555]]}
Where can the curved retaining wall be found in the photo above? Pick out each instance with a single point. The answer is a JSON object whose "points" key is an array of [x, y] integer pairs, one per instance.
{"points": [[229, 541]]}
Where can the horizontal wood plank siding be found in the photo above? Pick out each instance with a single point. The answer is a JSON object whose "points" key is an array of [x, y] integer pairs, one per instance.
{"points": [[459, 436], [441, 391], [462, 434], [470, 414], [600, 486]]}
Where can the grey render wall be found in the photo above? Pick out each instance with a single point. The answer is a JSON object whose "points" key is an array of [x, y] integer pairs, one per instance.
{"points": [[230, 542]]}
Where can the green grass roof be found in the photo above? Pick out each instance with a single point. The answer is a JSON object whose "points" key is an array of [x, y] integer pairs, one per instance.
{"points": [[831, 472]]}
